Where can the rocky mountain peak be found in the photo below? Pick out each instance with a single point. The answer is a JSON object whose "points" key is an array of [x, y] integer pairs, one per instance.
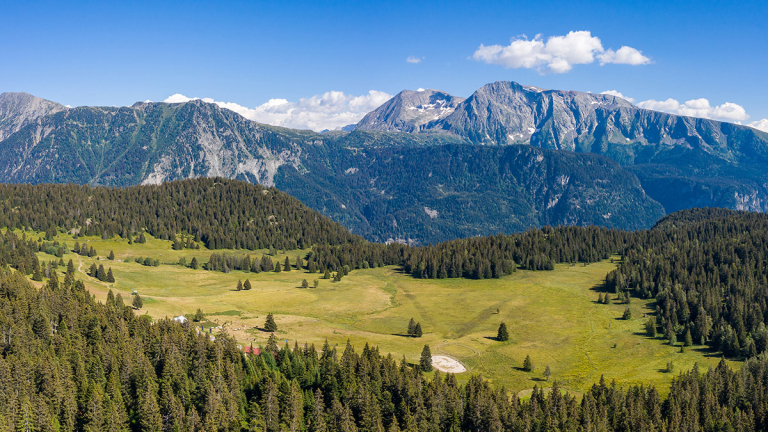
{"points": [[19, 109], [410, 111]]}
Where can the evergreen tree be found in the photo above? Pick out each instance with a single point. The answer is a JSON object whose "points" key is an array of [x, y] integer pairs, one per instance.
{"points": [[688, 341], [650, 327], [137, 302], [247, 285], [101, 274], [411, 327], [198, 316], [287, 265], [110, 276], [627, 314], [502, 335], [304, 283], [270, 325], [327, 274], [111, 255], [425, 361], [277, 268], [547, 373], [317, 283], [528, 364], [417, 330], [239, 286], [193, 264]]}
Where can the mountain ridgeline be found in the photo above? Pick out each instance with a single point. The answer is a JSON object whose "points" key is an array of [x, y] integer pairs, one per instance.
{"points": [[419, 188], [682, 162], [422, 168]]}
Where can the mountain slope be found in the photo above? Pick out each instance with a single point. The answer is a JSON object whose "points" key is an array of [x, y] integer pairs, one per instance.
{"points": [[681, 161], [20, 109], [374, 183]]}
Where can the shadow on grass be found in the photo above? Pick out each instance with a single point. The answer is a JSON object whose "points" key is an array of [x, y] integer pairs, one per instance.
{"points": [[493, 338], [404, 335]]}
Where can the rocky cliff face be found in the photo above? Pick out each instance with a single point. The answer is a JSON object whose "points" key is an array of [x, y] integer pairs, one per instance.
{"points": [[409, 111], [20, 109]]}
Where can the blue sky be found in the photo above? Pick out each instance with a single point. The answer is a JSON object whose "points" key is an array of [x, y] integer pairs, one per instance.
{"points": [[248, 53]]}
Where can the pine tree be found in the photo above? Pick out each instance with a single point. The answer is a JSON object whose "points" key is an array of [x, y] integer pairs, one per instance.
{"points": [[503, 334], [299, 263], [247, 285], [304, 283], [327, 274], [688, 341], [101, 274], [270, 325], [239, 286], [627, 314], [111, 255], [417, 330], [411, 327], [93, 270], [287, 265], [193, 264], [528, 364], [138, 303], [547, 373], [277, 268], [425, 361], [110, 276], [650, 327], [198, 316], [317, 283]]}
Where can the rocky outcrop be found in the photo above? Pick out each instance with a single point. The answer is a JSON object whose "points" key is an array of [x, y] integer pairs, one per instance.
{"points": [[20, 109]]}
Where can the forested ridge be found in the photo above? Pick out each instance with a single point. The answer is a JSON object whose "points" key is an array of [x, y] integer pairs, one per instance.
{"points": [[218, 212]]}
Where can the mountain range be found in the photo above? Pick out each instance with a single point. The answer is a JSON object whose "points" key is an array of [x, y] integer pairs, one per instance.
{"points": [[424, 167]]}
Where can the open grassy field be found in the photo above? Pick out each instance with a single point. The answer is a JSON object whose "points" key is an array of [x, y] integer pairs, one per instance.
{"points": [[552, 316]]}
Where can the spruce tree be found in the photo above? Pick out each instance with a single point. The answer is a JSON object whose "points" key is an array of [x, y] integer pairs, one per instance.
{"points": [[304, 283], [528, 364], [277, 268], [239, 286], [270, 325], [650, 327], [411, 327], [547, 373], [247, 285], [425, 361], [138, 303], [502, 335], [198, 316], [110, 276], [193, 264], [111, 255], [627, 314], [317, 283], [287, 265], [417, 330], [688, 341], [327, 274], [101, 274]]}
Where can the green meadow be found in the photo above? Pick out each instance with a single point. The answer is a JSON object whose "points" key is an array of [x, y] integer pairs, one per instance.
{"points": [[552, 316]]}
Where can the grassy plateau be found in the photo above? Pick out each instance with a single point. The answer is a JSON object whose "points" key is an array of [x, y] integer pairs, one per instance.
{"points": [[552, 316]]}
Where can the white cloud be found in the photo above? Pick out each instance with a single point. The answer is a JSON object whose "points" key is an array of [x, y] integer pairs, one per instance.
{"points": [[670, 105], [414, 59], [760, 125], [728, 111], [625, 55], [618, 94], [331, 110], [558, 54]]}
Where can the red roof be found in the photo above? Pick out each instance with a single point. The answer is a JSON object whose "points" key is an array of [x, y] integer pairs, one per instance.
{"points": [[250, 350]]}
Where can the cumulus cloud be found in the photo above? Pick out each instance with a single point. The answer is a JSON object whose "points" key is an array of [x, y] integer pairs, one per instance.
{"points": [[558, 54], [618, 94], [330, 110], [760, 125], [728, 111], [414, 59]]}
